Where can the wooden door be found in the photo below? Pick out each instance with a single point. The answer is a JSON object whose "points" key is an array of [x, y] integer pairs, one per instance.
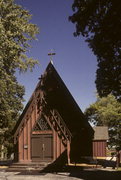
{"points": [[42, 147], [47, 147]]}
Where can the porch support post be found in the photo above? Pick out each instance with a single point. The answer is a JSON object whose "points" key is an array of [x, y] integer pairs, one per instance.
{"points": [[68, 151]]}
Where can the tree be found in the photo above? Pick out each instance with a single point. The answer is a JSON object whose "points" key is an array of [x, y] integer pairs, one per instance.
{"points": [[99, 21], [16, 33], [106, 111]]}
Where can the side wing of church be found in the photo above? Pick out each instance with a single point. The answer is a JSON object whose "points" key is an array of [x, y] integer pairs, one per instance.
{"points": [[52, 124]]}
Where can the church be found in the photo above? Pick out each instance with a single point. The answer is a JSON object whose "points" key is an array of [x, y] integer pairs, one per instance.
{"points": [[52, 124]]}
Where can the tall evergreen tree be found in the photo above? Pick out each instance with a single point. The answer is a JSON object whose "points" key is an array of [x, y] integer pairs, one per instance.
{"points": [[99, 21], [16, 32]]}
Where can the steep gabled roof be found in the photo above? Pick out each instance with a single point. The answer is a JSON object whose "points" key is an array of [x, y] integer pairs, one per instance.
{"points": [[61, 99]]}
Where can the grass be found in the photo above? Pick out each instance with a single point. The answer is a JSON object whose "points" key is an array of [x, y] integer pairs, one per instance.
{"points": [[119, 169]]}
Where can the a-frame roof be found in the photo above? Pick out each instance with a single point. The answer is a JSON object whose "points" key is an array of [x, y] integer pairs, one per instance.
{"points": [[61, 99]]}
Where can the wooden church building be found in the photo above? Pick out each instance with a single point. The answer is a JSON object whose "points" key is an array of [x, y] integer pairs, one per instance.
{"points": [[52, 124]]}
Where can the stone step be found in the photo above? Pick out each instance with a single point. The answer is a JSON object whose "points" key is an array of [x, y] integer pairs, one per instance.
{"points": [[28, 166], [24, 169]]}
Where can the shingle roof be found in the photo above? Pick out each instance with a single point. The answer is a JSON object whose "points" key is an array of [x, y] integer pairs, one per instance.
{"points": [[101, 133]]}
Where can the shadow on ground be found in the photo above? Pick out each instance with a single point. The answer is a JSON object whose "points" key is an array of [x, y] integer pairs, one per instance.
{"points": [[76, 172], [85, 174], [96, 174]]}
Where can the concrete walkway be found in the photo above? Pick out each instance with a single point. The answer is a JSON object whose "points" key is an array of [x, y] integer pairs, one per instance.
{"points": [[73, 174], [48, 176]]}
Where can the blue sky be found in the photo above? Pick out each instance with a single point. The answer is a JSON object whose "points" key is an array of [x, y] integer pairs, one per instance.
{"points": [[74, 61]]}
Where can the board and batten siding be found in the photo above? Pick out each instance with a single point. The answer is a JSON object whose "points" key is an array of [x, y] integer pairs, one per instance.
{"points": [[99, 148]]}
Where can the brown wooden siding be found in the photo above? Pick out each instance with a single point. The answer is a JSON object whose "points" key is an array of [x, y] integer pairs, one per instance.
{"points": [[25, 142], [99, 148]]}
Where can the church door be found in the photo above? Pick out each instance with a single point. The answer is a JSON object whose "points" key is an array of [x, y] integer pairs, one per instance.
{"points": [[42, 147]]}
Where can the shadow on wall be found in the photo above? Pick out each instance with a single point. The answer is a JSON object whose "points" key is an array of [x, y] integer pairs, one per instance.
{"points": [[81, 146]]}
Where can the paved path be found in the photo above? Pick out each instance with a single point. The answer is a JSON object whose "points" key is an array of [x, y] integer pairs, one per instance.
{"points": [[77, 174], [48, 176]]}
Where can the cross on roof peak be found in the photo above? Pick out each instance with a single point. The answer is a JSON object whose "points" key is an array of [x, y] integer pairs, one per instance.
{"points": [[51, 54]]}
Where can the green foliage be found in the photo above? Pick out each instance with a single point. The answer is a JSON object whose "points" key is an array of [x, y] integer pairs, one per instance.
{"points": [[106, 111], [16, 33], [99, 21]]}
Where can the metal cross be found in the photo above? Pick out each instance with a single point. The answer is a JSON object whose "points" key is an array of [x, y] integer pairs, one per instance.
{"points": [[51, 54]]}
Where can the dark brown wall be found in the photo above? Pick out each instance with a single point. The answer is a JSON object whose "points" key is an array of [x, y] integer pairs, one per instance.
{"points": [[99, 148]]}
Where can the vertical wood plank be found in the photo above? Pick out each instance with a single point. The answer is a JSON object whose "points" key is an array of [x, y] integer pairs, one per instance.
{"points": [[68, 151], [54, 145], [20, 147], [25, 141], [29, 136]]}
